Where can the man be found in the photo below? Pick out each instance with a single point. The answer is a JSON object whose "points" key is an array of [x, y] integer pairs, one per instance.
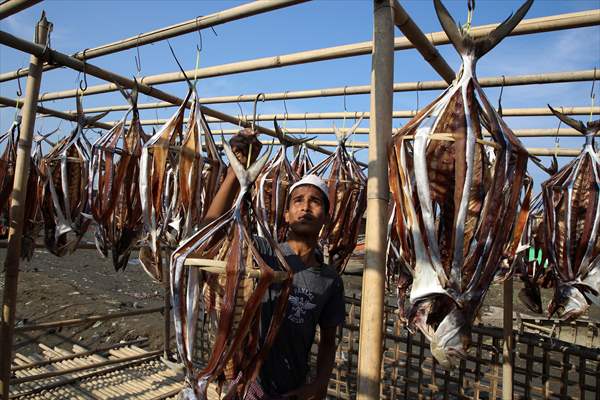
{"points": [[317, 295]]}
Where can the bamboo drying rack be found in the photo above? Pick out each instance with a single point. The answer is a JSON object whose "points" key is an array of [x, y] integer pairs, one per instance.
{"points": [[387, 13]]}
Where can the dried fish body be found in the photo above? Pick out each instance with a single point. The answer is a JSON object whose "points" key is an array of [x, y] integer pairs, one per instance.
{"points": [[461, 213], [347, 185], [159, 188], [572, 226], [199, 172], [8, 160], [272, 189], [65, 204], [237, 353], [114, 188]]}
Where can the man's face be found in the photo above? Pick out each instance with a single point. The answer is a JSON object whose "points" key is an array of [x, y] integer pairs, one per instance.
{"points": [[306, 211]]}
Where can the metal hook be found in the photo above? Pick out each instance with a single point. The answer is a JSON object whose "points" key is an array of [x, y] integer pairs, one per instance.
{"points": [[83, 84], [345, 109], [593, 95], [242, 116], [19, 90], [285, 118], [418, 89], [305, 125], [199, 47], [138, 58], [500, 97], [254, 110]]}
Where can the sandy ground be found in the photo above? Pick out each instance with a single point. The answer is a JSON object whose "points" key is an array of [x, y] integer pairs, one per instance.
{"points": [[84, 283]]}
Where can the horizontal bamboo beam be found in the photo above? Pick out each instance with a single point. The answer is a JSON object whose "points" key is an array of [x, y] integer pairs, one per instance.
{"points": [[495, 81], [85, 320], [101, 364], [506, 112], [416, 36], [58, 114], [534, 25], [8, 8], [202, 22], [68, 61], [76, 355]]}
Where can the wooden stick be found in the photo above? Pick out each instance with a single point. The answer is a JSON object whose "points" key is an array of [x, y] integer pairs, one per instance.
{"points": [[372, 298], [80, 354], [8, 8], [218, 267], [527, 26], [17, 209], [196, 24], [85, 320]]}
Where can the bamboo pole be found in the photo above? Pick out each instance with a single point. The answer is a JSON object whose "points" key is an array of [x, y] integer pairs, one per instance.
{"points": [[196, 24], [416, 36], [17, 208], [58, 114], [68, 61], [508, 345], [534, 25], [493, 81], [85, 320], [506, 112], [167, 310], [372, 297], [11, 7]]}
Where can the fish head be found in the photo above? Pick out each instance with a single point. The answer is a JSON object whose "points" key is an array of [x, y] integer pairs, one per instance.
{"points": [[451, 339], [568, 302]]}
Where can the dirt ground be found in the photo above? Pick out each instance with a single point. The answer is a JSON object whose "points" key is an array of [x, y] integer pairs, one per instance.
{"points": [[84, 283]]}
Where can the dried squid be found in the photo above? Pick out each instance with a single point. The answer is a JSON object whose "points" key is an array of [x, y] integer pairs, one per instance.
{"points": [[347, 185], [237, 353], [460, 213], [572, 226]]}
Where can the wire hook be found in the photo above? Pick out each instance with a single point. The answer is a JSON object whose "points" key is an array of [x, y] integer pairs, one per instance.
{"points": [[83, 84], [418, 88], [593, 95], [254, 110], [500, 97], [242, 116], [285, 118], [138, 58], [19, 90], [345, 109]]}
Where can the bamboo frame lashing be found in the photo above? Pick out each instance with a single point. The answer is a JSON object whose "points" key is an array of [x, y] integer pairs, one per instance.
{"points": [[218, 267]]}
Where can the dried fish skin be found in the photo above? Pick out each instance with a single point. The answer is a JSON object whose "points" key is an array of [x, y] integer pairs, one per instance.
{"points": [[237, 354], [572, 226], [462, 202], [302, 162]]}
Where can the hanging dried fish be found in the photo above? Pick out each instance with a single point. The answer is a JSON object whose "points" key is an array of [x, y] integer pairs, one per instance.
{"points": [[65, 195], [302, 162], [114, 188], [159, 188], [8, 160], [237, 353], [272, 187], [33, 222], [347, 198], [458, 223], [572, 226], [200, 170]]}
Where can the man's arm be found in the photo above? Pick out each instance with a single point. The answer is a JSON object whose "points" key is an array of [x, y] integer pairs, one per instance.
{"points": [[325, 360]]}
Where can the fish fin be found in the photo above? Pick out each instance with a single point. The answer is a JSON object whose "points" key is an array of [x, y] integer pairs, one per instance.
{"points": [[573, 123], [449, 25], [496, 36]]}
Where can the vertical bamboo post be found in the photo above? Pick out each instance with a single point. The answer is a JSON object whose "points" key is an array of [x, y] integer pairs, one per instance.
{"points": [[167, 312], [372, 298], [508, 346], [17, 207]]}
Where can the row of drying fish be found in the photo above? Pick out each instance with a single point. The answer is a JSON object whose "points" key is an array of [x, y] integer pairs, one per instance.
{"points": [[154, 191], [462, 203]]}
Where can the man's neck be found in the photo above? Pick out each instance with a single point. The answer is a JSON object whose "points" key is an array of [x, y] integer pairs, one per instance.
{"points": [[304, 249]]}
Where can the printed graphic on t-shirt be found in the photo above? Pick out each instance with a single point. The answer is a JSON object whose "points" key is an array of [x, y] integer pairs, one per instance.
{"points": [[300, 302]]}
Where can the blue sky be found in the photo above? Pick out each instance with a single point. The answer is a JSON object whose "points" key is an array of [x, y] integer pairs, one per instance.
{"points": [[317, 24]]}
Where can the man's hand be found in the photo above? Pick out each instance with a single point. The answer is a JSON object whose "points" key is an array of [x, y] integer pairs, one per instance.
{"points": [[242, 142], [311, 391]]}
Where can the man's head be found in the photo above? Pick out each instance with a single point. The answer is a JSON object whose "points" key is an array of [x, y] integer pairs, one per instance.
{"points": [[308, 206]]}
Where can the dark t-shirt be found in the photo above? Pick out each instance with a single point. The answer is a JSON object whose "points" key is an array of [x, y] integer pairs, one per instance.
{"points": [[317, 297]]}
